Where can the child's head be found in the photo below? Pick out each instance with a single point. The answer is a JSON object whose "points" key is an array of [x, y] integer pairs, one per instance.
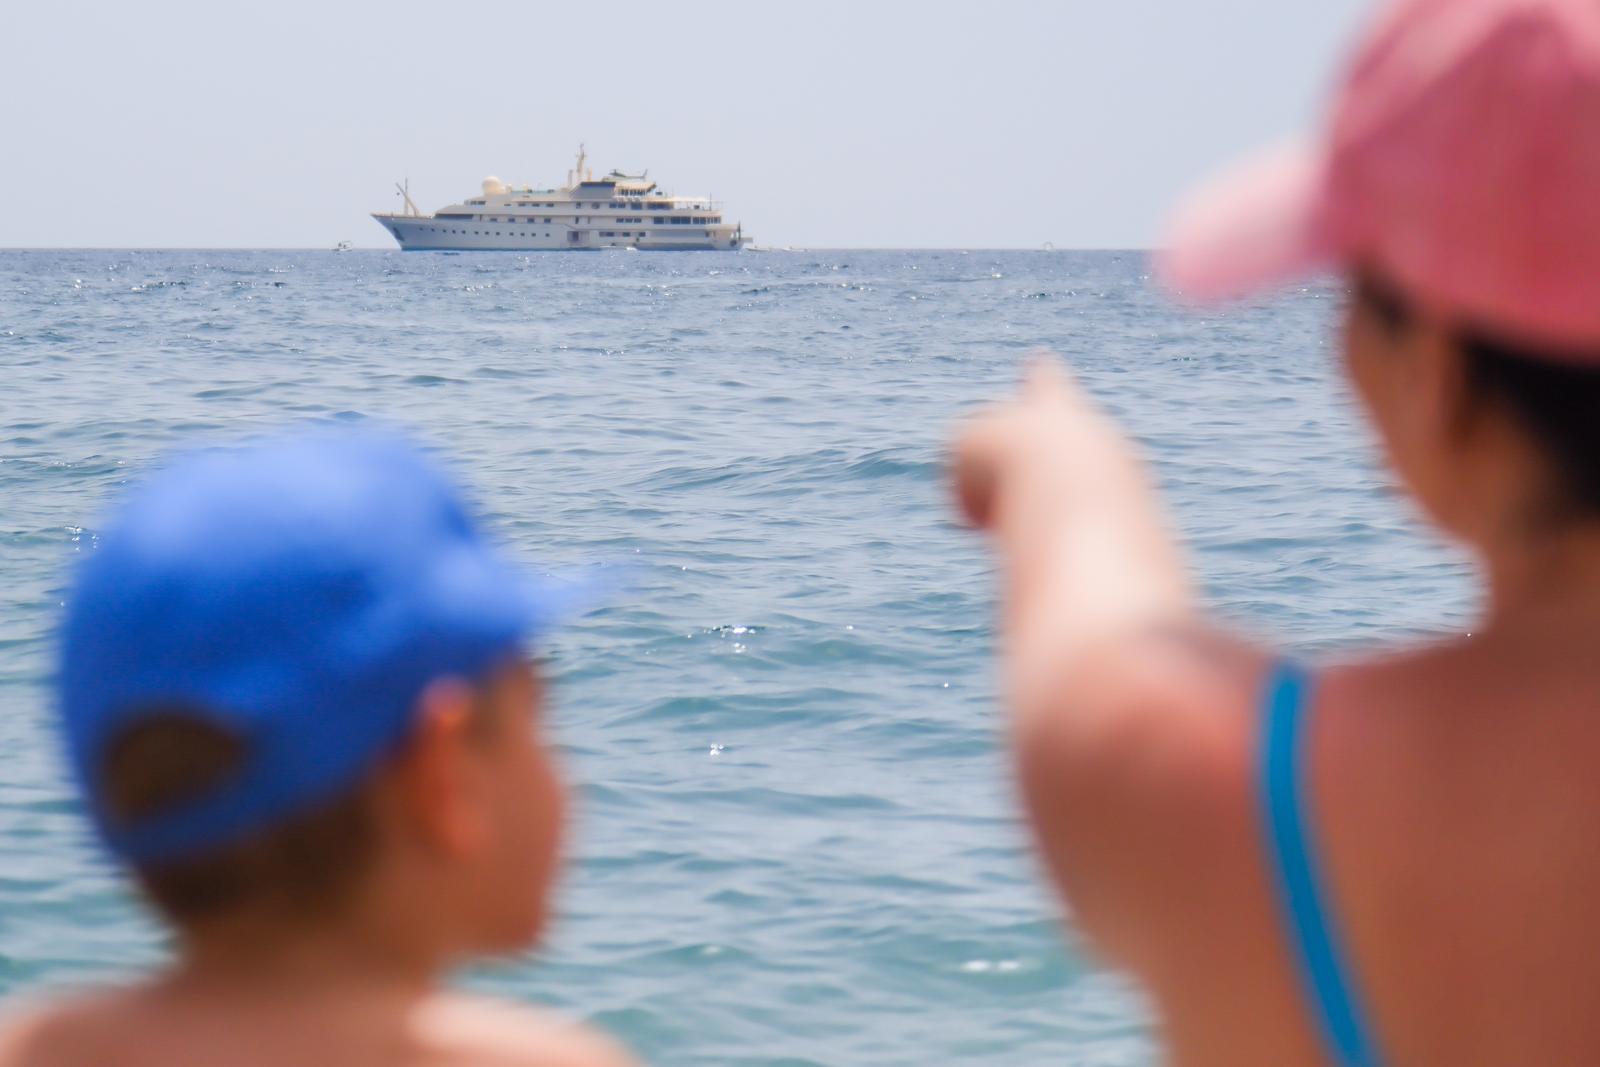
{"points": [[293, 690]]}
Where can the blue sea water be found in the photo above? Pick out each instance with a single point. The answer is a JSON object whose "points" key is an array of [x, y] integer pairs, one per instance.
{"points": [[796, 842]]}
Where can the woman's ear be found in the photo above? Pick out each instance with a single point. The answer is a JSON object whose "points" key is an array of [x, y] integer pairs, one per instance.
{"points": [[1438, 382], [434, 772]]}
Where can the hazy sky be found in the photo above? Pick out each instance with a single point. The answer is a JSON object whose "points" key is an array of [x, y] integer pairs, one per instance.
{"points": [[975, 124]]}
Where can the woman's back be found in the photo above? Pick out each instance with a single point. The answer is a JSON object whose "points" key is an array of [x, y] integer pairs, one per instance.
{"points": [[1462, 813], [1453, 808]]}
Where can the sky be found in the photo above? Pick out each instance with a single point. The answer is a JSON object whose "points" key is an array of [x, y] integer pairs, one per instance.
{"points": [[979, 124]]}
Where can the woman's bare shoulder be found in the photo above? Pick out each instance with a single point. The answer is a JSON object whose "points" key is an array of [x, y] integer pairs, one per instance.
{"points": [[1175, 701]]}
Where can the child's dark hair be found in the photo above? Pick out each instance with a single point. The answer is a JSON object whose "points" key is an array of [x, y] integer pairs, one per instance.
{"points": [[303, 867], [1554, 397]]}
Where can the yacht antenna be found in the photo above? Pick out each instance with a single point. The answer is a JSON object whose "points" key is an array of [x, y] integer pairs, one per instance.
{"points": [[581, 157]]}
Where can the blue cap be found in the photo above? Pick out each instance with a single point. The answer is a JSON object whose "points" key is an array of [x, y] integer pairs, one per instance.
{"points": [[300, 592]]}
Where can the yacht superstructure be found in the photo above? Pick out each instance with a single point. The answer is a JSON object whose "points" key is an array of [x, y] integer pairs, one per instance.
{"points": [[616, 211]]}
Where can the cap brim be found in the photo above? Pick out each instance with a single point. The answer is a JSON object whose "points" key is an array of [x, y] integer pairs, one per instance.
{"points": [[1263, 223], [549, 600], [489, 600]]}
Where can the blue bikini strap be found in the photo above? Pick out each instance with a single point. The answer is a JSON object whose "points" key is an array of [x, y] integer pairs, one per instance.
{"points": [[1292, 851]]}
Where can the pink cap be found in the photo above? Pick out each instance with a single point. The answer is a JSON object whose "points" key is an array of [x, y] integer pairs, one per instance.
{"points": [[1463, 162]]}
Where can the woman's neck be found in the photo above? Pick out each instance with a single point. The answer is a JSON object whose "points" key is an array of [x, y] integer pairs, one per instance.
{"points": [[1551, 574]]}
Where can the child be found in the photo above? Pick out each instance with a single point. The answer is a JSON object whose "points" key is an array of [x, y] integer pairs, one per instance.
{"points": [[297, 704]]}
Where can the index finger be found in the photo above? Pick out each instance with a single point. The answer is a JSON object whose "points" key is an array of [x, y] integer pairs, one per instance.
{"points": [[1047, 377]]}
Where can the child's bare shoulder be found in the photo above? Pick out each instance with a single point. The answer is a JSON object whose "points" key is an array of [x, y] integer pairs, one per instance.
{"points": [[41, 1033], [494, 1033], [19, 1033]]}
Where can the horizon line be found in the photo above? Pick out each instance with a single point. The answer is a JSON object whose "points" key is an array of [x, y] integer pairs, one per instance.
{"points": [[425, 251]]}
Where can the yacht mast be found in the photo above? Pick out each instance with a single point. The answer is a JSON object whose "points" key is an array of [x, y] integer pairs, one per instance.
{"points": [[405, 194]]}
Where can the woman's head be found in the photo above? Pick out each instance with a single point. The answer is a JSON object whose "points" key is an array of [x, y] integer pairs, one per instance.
{"points": [[1492, 436], [1461, 153], [1461, 159]]}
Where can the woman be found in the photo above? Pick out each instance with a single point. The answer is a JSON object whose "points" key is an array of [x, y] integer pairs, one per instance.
{"points": [[1393, 860]]}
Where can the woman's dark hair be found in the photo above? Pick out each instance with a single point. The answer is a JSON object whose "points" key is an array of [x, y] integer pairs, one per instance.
{"points": [[1555, 397]]}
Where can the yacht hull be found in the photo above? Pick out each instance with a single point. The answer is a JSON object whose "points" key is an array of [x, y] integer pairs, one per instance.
{"points": [[422, 233]]}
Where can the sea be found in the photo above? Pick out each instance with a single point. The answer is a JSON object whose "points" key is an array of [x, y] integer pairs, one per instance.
{"points": [[795, 839]]}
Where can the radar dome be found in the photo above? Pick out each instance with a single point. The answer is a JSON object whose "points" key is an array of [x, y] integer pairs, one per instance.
{"points": [[493, 186]]}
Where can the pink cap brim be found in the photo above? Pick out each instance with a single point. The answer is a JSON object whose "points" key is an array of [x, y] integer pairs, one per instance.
{"points": [[1263, 223]]}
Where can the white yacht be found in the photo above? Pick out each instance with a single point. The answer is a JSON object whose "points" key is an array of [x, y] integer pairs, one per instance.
{"points": [[616, 211]]}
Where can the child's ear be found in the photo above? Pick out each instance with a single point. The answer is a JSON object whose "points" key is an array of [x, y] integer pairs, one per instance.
{"points": [[435, 772]]}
